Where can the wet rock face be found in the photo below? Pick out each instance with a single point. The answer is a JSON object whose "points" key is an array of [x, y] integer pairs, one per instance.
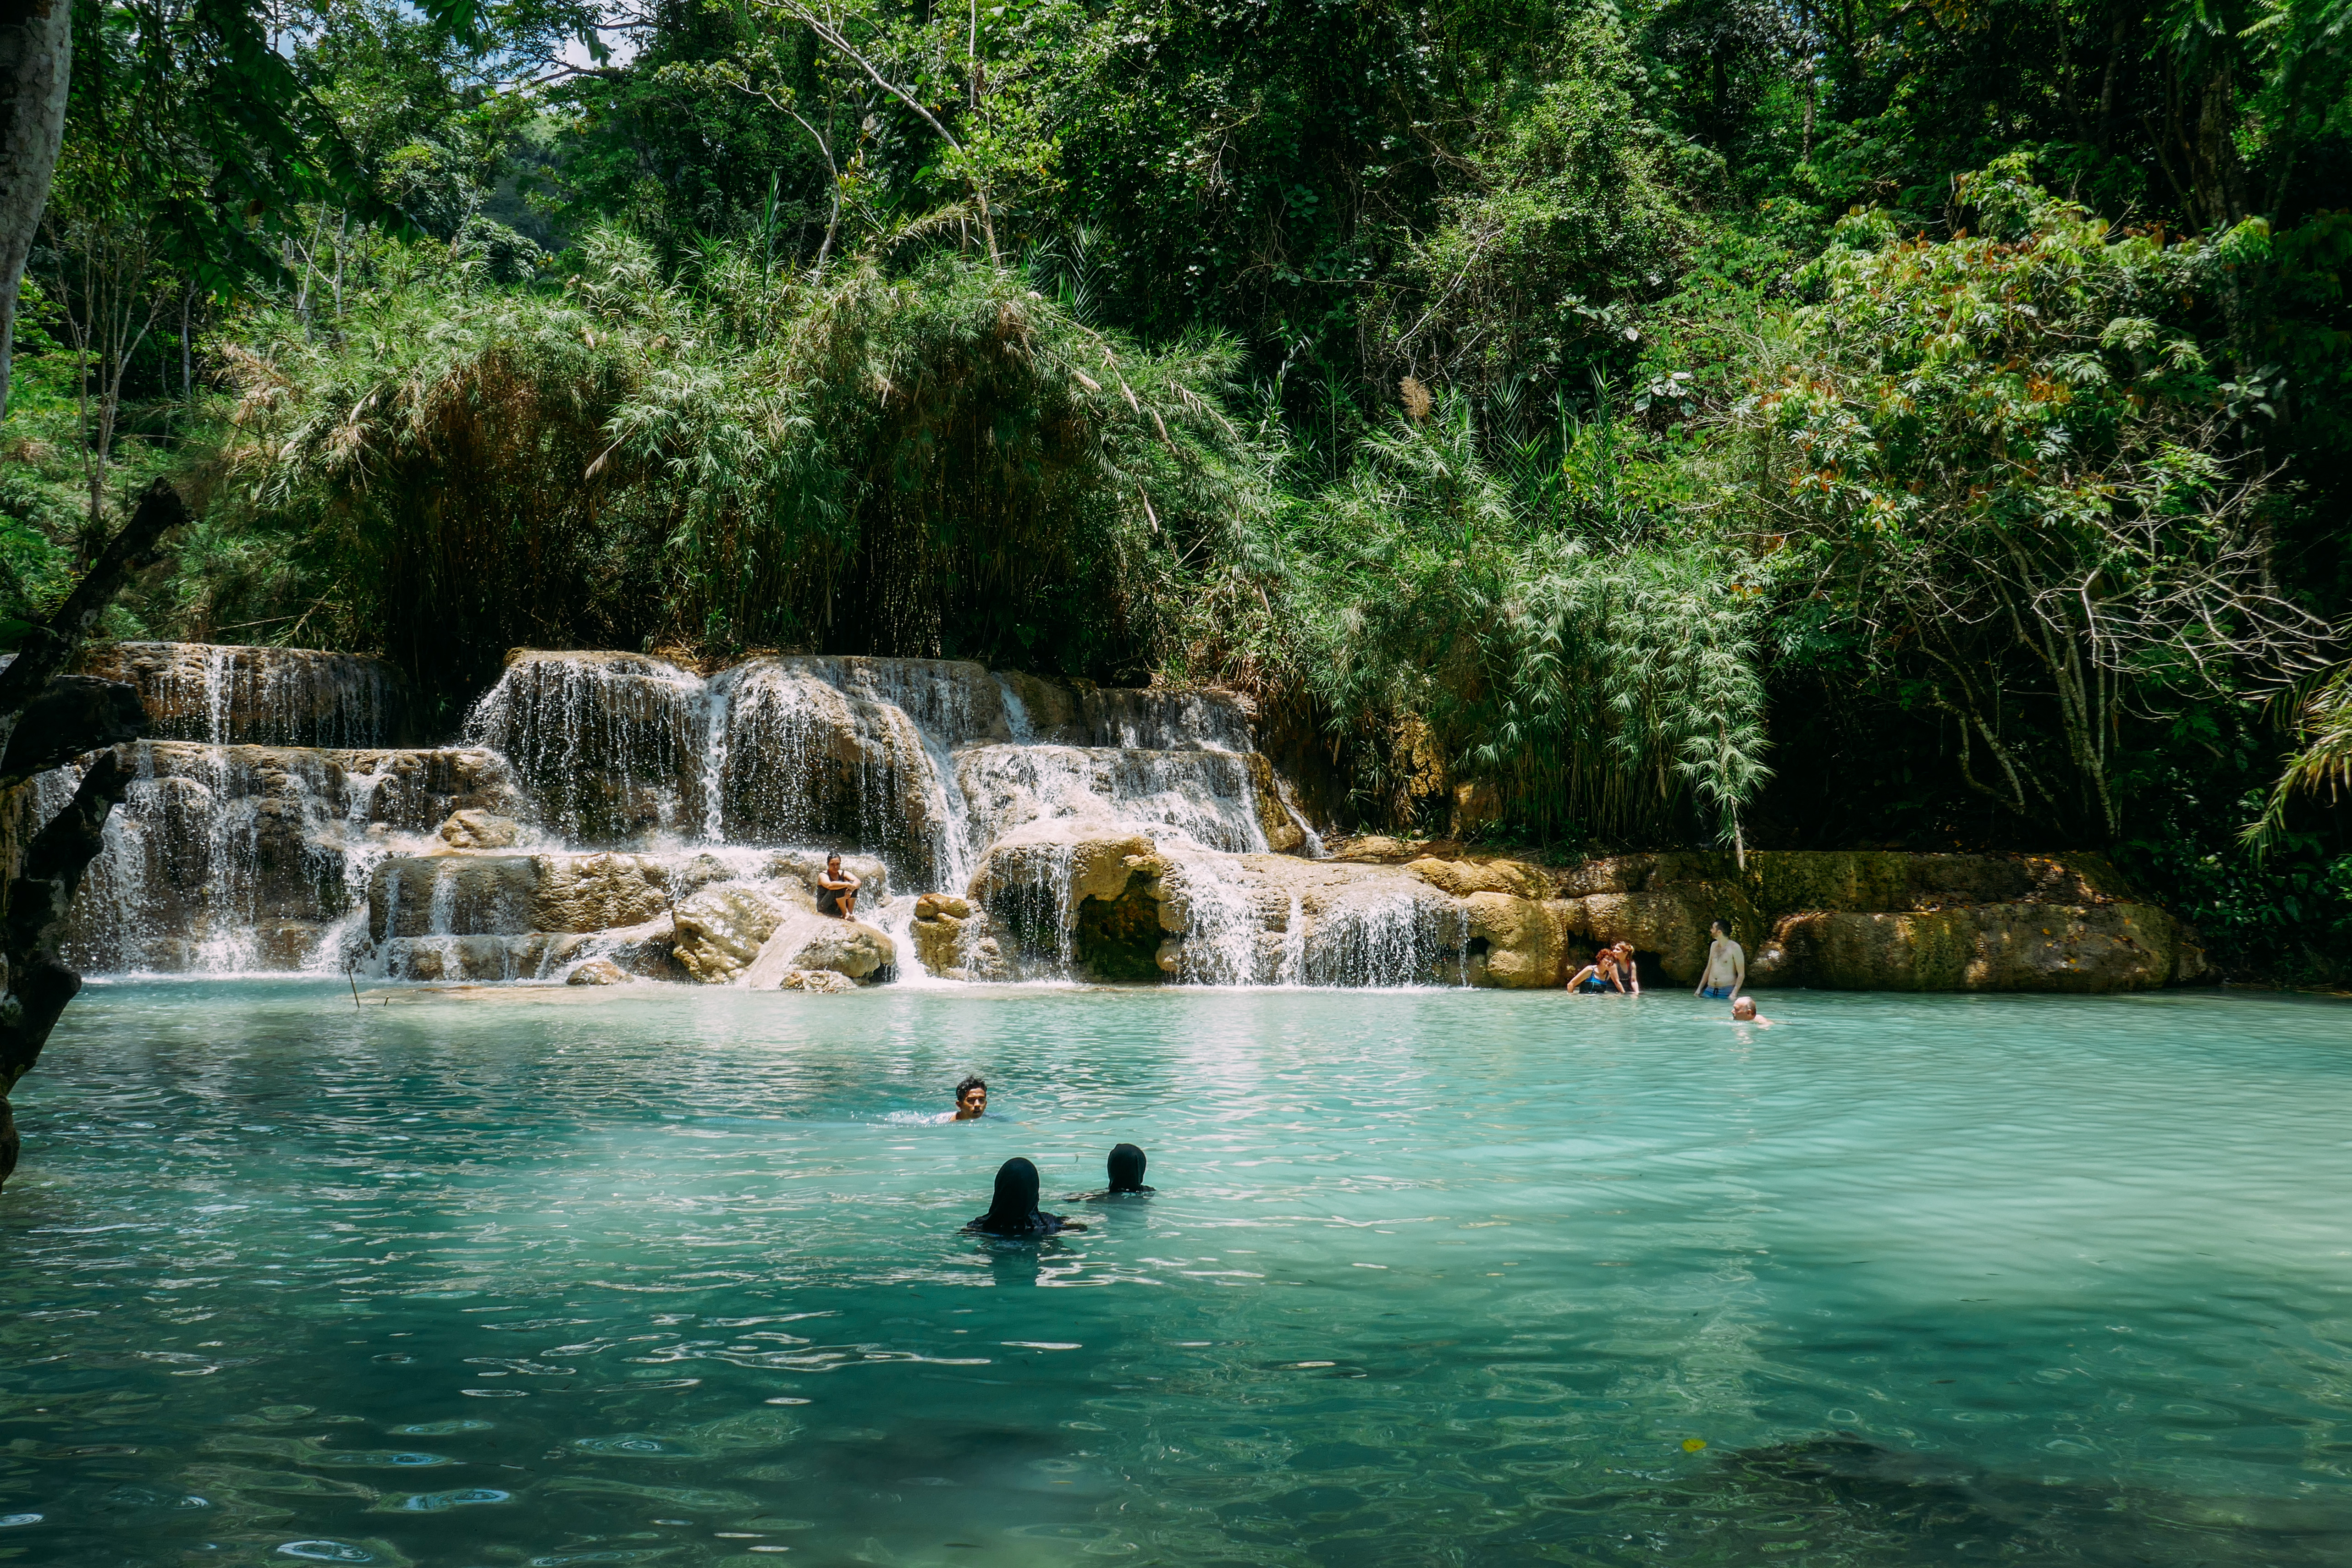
{"points": [[473, 830], [230, 695], [609, 747], [812, 941], [246, 857], [1108, 907], [721, 930], [954, 941], [596, 972]]}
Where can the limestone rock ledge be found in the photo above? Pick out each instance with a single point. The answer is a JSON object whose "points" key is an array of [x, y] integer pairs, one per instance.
{"points": [[808, 941], [1859, 920], [1387, 912]]}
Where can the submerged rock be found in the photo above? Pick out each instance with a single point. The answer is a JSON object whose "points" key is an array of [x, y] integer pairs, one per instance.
{"points": [[820, 980]]}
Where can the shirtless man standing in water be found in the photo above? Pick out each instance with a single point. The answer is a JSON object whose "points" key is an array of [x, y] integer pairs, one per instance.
{"points": [[1726, 965]]}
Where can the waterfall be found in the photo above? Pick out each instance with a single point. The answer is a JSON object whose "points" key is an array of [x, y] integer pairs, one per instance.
{"points": [[1202, 796], [231, 696], [1121, 833], [1388, 933], [610, 745]]}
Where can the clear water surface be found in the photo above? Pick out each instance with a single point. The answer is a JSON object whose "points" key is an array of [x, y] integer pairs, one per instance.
{"points": [[1430, 1278]]}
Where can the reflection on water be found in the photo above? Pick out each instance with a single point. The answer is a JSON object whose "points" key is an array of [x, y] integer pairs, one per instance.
{"points": [[1428, 1278]]}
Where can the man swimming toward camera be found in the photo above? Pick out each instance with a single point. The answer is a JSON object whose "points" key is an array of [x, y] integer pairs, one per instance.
{"points": [[972, 1099]]}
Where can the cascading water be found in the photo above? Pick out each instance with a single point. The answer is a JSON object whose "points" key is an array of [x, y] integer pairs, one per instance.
{"points": [[227, 695], [1051, 830], [608, 746]]}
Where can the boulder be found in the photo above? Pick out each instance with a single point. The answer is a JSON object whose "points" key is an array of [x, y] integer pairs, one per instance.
{"points": [[810, 941], [819, 980], [952, 940], [474, 829], [721, 930], [596, 972], [1516, 944]]}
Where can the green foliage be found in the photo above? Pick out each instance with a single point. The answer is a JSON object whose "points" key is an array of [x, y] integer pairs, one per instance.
{"points": [[1487, 612], [1693, 421], [2008, 462], [944, 463]]}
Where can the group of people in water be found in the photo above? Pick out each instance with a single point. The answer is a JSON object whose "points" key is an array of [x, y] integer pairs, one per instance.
{"points": [[1013, 1210], [1613, 972]]}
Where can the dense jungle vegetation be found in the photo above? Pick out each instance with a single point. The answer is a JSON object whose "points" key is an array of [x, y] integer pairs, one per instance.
{"points": [[1581, 424]]}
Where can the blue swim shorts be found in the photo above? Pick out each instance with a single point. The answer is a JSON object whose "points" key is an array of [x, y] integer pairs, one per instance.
{"points": [[1715, 993]]}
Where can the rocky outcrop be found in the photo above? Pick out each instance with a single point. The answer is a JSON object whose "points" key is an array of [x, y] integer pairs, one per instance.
{"points": [[474, 830], [721, 930], [246, 857], [1854, 920], [233, 696], [596, 972], [609, 745], [954, 940], [810, 941]]}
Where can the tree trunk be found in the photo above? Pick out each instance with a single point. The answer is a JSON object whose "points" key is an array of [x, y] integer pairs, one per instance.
{"points": [[49, 717], [36, 57]]}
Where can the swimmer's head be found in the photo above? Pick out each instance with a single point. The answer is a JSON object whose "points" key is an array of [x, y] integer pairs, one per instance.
{"points": [[972, 1096], [1744, 1008], [1015, 1204], [1126, 1168]]}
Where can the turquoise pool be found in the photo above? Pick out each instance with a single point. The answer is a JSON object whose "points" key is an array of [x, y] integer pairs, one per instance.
{"points": [[674, 1277]]}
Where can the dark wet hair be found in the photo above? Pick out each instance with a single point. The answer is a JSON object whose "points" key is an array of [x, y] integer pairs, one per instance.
{"points": [[1012, 1211], [1126, 1168], [971, 1081]]}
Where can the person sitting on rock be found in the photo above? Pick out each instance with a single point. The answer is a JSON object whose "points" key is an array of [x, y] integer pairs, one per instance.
{"points": [[836, 890], [972, 1099]]}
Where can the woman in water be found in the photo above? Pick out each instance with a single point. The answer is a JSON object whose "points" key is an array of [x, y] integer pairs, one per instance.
{"points": [[1126, 1170], [1013, 1210], [1599, 977]]}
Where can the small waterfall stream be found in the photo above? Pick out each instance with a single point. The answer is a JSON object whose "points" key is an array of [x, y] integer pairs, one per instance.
{"points": [[598, 794]]}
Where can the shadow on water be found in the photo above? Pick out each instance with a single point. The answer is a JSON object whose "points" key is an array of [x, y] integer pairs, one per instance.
{"points": [[1840, 1498]]}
